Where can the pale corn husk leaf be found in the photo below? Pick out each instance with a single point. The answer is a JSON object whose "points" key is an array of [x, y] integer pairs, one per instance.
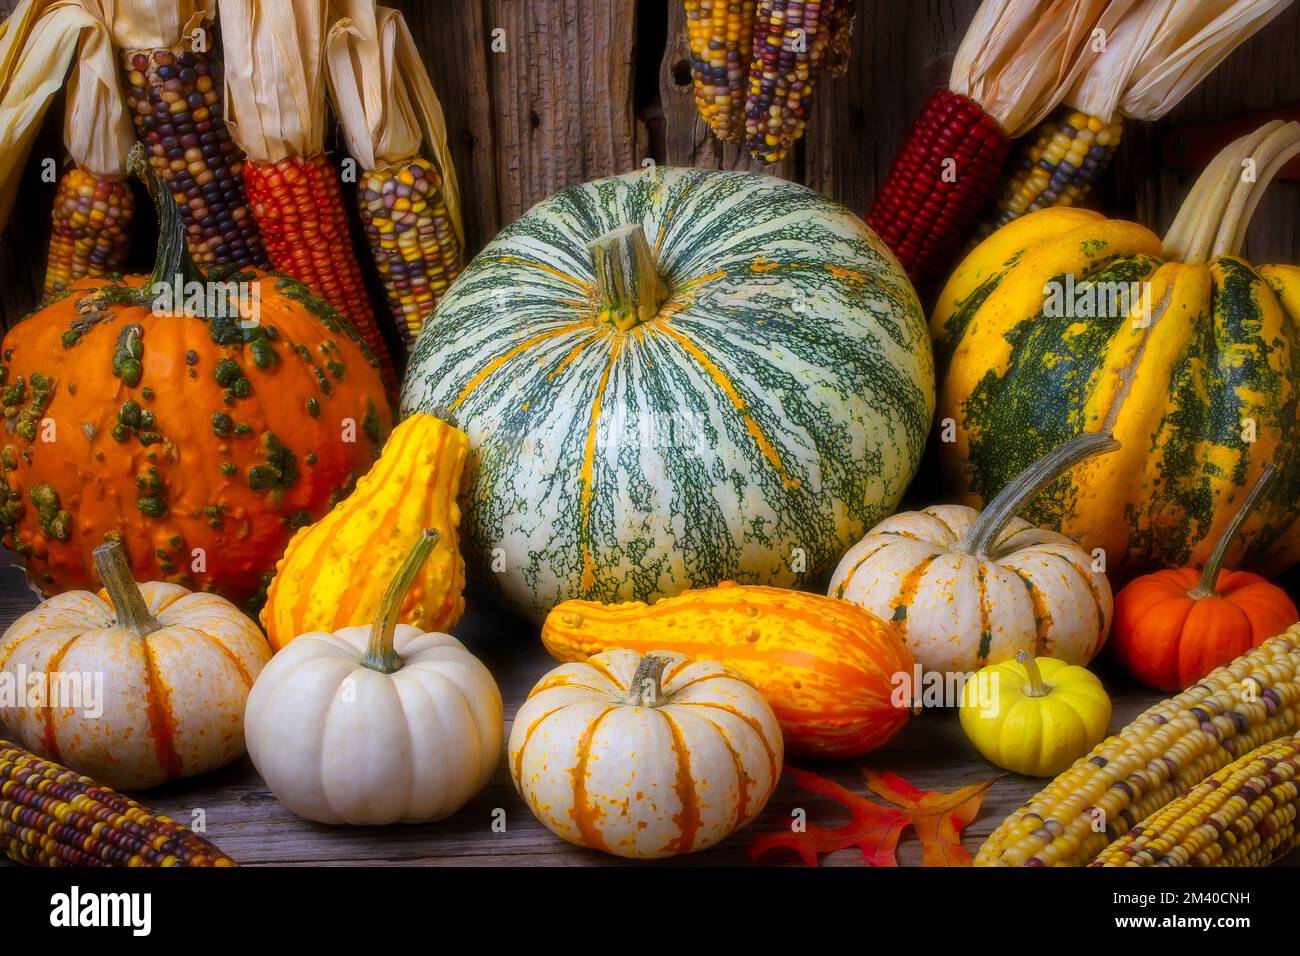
{"points": [[1019, 57], [96, 127], [383, 96], [145, 24], [1194, 39], [275, 76]]}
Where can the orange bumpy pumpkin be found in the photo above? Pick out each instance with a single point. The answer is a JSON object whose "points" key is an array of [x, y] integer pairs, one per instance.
{"points": [[200, 438], [1173, 627]]}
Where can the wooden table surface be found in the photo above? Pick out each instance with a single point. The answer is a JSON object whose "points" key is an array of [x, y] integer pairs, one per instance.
{"points": [[246, 821]]}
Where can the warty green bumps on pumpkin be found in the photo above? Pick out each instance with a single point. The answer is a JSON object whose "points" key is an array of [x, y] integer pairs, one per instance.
{"points": [[675, 377]]}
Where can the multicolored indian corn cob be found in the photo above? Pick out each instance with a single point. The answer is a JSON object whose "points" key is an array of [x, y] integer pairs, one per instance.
{"points": [[53, 816], [175, 99], [1058, 168], [412, 238], [1243, 815], [91, 235], [939, 184], [720, 35], [1168, 749], [790, 50]]}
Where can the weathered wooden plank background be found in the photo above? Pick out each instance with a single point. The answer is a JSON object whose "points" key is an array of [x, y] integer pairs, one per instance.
{"points": [[541, 94]]}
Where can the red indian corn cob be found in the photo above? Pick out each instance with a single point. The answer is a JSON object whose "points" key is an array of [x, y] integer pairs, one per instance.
{"points": [[720, 35], [53, 816], [790, 46], [175, 100], [1243, 815], [412, 238], [933, 196], [93, 219]]}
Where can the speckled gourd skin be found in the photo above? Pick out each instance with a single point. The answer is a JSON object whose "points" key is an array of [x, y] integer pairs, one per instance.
{"points": [[826, 666], [335, 572]]}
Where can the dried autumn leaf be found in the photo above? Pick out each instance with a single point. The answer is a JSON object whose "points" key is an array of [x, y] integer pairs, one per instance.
{"points": [[937, 817]]}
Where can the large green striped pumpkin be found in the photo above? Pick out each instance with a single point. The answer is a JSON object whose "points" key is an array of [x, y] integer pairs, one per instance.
{"points": [[674, 377], [1198, 379]]}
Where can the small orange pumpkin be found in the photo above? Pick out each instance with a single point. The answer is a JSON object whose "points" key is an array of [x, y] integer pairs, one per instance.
{"points": [[1173, 627]]}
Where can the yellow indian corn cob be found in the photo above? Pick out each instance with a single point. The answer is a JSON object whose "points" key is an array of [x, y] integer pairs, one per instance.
{"points": [[1244, 815], [720, 34], [1172, 746], [1059, 167], [53, 816], [91, 235], [412, 238]]}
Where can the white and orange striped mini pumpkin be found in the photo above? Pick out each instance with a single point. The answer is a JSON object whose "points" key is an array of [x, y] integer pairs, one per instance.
{"points": [[645, 757], [150, 679]]}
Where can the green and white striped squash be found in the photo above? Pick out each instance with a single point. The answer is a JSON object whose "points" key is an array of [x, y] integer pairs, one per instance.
{"points": [[1197, 374], [675, 377]]}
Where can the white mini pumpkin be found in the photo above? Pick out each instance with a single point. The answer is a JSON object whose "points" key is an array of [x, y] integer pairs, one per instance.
{"points": [[645, 757], [968, 588], [157, 677], [378, 724]]}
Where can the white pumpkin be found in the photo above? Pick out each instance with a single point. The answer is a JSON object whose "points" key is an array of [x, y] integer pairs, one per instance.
{"points": [[645, 757], [967, 588], [377, 724], [139, 684]]}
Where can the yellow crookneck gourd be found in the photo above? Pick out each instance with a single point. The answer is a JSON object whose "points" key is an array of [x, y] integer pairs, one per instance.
{"points": [[334, 572]]}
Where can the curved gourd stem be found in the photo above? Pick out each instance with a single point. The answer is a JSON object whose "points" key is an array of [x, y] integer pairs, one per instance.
{"points": [[628, 286], [1212, 220], [1210, 576], [1017, 493], [128, 603], [380, 655], [172, 261], [1037, 687], [646, 689]]}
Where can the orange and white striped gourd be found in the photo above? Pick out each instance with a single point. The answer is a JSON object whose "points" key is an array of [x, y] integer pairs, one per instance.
{"points": [[645, 756], [138, 684], [334, 572], [828, 668], [968, 588]]}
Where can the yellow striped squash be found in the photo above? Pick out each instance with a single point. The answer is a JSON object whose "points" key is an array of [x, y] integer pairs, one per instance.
{"points": [[675, 377], [334, 572]]}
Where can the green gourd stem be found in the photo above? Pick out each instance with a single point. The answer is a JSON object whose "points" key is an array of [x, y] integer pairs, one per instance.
{"points": [[128, 603], [1210, 576], [646, 689], [1017, 492], [628, 286], [172, 259], [1036, 688], [380, 655]]}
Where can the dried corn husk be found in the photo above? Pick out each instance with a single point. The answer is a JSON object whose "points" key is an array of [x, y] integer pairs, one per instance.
{"points": [[146, 24], [383, 96], [96, 128], [1019, 57], [275, 76]]}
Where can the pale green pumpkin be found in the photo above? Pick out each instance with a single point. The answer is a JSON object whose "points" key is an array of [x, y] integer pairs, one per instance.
{"points": [[674, 377]]}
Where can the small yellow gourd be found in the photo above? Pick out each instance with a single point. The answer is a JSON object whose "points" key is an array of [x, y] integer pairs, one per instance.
{"points": [[334, 572], [1034, 716]]}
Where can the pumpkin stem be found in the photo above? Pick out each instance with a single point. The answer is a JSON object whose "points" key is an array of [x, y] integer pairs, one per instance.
{"points": [[379, 655], [1213, 219], [628, 287], [172, 261], [646, 689], [1036, 688], [128, 603], [983, 534], [1210, 576]]}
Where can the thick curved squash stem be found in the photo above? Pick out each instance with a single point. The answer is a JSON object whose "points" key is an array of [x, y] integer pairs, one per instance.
{"points": [[1036, 686], [983, 534], [646, 687], [380, 655], [1210, 576], [128, 603], [1213, 219], [628, 288]]}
